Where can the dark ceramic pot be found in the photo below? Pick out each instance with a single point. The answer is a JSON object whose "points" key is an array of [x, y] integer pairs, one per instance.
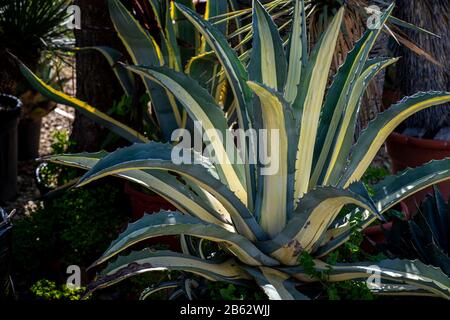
{"points": [[29, 139], [10, 109]]}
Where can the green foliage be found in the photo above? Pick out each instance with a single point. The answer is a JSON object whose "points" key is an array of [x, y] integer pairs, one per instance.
{"points": [[172, 42], [48, 290], [122, 107], [350, 251], [71, 229], [53, 175], [372, 176], [375, 174], [343, 290], [51, 69], [32, 30], [88, 220], [61, 142], [349, 290], [136, 110]]}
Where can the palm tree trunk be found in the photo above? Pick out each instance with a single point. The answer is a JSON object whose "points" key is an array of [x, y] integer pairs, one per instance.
{"points": [[414, 72], [96, 82]]}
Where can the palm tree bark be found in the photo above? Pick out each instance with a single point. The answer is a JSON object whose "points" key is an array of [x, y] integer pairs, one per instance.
{"points": [[96, 82], [414, 72], [355, 26]]}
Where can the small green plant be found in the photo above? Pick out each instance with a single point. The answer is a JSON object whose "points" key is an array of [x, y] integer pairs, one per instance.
{"points": [[136, 110], [349, 290], [372, 176], [375, 174], [351, 251], [343, 290], [61, 142], [49, 290], [52, 175], [122, 107]]}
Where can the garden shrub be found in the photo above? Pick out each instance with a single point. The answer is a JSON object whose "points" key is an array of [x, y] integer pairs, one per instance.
{"points": [[73, 229], [49, 290]]}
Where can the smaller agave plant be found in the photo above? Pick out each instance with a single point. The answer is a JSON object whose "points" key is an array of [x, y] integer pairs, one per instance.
{"points": [[264, 223], [425, 236]]}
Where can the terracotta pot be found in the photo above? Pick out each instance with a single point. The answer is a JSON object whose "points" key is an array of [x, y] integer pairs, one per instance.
{"points": [[375, 233], [142, 203], [408, 152]]}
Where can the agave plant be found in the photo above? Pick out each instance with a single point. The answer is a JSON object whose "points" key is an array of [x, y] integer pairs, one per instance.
{"points": [[425, 236], [265, 222]]}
